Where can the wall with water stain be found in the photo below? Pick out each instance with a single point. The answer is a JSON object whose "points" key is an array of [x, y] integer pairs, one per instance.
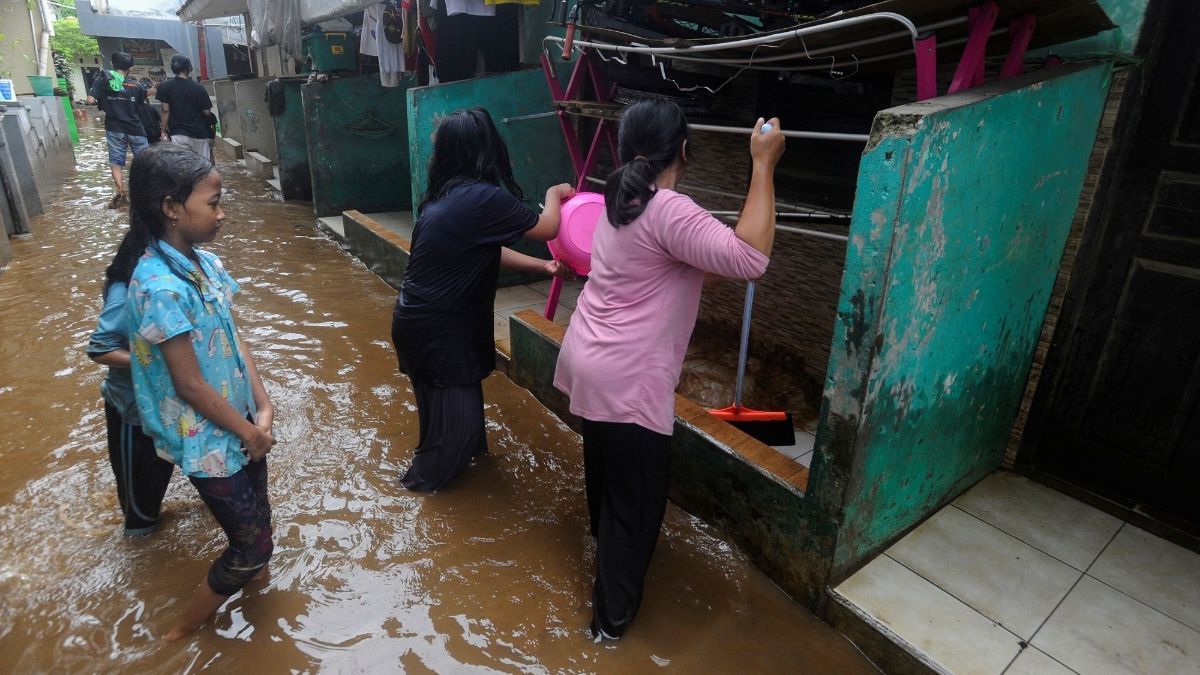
{"points": [[295, 175], [963, 206], [358, 146], [257, 130]]}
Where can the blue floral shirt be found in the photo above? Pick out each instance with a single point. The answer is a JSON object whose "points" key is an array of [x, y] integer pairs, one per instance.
{"points": [[161, 306]]}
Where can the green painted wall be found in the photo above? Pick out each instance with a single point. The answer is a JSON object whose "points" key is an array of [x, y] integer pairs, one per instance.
{"points": [[962, 211], [295, 177], [536, 147], [539, 156], [1126, 14], [358, 147]]}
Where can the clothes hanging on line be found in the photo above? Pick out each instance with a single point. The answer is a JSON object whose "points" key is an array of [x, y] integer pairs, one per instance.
{"points": [[463, 38], [374, 43]]}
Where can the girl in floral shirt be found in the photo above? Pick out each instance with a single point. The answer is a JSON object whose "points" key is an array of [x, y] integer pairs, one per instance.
{"points": [[198, 392]]}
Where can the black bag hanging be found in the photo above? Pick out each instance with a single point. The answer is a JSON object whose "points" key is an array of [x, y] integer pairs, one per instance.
{"points": [[393, 23]]}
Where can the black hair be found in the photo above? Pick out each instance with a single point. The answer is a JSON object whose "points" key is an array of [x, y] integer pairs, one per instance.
{"points": [[468, 147], [180, 64], [649, 139], [161, 171], [121, 61]]}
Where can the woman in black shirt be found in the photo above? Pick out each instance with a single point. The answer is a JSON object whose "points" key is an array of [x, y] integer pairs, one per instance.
{"points": [[442, 326]]}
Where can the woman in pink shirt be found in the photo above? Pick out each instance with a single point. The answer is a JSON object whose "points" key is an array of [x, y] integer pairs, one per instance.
{"points": [[621, 358]]}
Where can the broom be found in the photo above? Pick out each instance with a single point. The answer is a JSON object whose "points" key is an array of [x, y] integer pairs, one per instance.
{"points": [[772, 428]]}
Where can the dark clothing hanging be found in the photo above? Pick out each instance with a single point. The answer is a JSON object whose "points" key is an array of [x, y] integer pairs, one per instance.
{"points": [[461, 36], [626, 471], [443, 324]]}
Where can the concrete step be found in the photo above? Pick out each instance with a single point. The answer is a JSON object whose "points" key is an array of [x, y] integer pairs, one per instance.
{"points": [[230, 149], [259, 165]]}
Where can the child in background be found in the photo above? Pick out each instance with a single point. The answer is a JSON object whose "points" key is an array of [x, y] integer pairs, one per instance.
{"points": [[443, 325], [623, 352], [142, 476], [198, 392]]}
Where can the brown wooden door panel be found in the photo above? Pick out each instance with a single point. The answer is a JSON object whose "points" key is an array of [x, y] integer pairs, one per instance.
{"points": [[1118, 411]]}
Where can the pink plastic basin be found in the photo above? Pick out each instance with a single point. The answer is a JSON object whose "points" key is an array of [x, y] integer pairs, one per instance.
{"points": [[573, 245]]}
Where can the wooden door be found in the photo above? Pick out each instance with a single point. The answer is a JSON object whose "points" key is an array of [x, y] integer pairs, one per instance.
{"points": [[1118, 412]]}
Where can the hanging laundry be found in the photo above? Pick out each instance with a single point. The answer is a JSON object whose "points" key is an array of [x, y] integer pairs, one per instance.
{"points": [[470, 33], [375, 41]]}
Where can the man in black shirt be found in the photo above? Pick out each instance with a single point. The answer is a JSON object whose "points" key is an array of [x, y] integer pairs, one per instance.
{"points": [[184, 102], [121, 100]]}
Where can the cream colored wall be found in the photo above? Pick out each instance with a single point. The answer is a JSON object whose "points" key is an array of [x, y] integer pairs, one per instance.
{"points": [[20, 27]]}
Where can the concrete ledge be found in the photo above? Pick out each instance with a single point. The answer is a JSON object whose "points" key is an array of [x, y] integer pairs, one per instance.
{"points": [[383, 251], [876, 641], [259, 165], [230, 149], [745, 489]]}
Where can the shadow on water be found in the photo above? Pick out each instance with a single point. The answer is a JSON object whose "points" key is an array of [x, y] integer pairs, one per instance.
{"points": [[491, 575]]}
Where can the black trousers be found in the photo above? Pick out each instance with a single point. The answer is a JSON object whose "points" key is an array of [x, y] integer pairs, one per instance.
{"points": [[142, 476], [452, 433], [462, 36], [626, 469]]}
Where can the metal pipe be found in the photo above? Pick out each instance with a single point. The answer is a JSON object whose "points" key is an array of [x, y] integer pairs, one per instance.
{"points": [[684, 187], [816, 215], [753, 41], [816, 135], [534, 116], [812, 233]]}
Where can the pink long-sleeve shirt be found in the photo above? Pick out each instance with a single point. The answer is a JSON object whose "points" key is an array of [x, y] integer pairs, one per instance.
{"points": [[623, 352]]}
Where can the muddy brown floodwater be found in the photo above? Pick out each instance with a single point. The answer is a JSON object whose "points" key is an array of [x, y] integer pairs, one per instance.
{"points": [[490, 575]]}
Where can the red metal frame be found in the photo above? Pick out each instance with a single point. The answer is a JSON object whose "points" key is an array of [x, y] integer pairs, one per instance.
{"points": [[969, 73], [970, 67], [586, 69], [1021, 32]]}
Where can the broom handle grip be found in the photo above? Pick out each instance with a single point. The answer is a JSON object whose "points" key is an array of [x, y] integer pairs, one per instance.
{"points": [[744, 347]]}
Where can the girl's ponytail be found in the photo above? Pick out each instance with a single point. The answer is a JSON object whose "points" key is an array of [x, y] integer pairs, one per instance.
{"points": [[650, 138]]}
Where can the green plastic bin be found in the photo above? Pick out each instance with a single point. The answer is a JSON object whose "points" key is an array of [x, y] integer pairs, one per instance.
{"points": [[329, 52]]}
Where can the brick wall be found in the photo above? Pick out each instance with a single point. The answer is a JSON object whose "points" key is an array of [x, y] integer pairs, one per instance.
{"points": [[796, 302]]}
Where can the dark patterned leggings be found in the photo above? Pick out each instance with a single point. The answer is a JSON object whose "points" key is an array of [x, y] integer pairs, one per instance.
{"points": [[242, 508]]}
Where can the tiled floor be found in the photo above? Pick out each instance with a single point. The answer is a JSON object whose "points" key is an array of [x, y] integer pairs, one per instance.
{"points": [[1016, 578]]}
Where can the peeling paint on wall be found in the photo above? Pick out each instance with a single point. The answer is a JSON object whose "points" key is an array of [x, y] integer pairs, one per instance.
{"points": [[963, 208]]}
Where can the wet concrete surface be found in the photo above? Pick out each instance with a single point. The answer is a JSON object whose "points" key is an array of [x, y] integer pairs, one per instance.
{"points": [[491, 575]]}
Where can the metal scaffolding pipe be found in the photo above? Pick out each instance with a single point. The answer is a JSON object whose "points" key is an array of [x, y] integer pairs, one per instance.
{"points": [[752, 41], [815, 135]]}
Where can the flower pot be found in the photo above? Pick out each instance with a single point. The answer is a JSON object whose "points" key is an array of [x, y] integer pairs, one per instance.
{"points": [[43, 85]]}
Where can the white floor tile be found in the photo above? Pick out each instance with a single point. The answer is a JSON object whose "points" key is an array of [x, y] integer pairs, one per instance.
{"points": [[1161, 574], [516, 296], [1003, 578], [1050, 521], [955, 636], [805, 460], [1100, 630], [1033, 662]]}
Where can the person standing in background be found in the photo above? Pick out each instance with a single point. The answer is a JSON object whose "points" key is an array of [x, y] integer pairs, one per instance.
{"points": [[121, 100], [184, 102]]}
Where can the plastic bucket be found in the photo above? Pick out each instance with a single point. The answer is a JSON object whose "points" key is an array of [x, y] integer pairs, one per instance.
{"points": [[573, 245], [7, 91], [43, 85]]}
